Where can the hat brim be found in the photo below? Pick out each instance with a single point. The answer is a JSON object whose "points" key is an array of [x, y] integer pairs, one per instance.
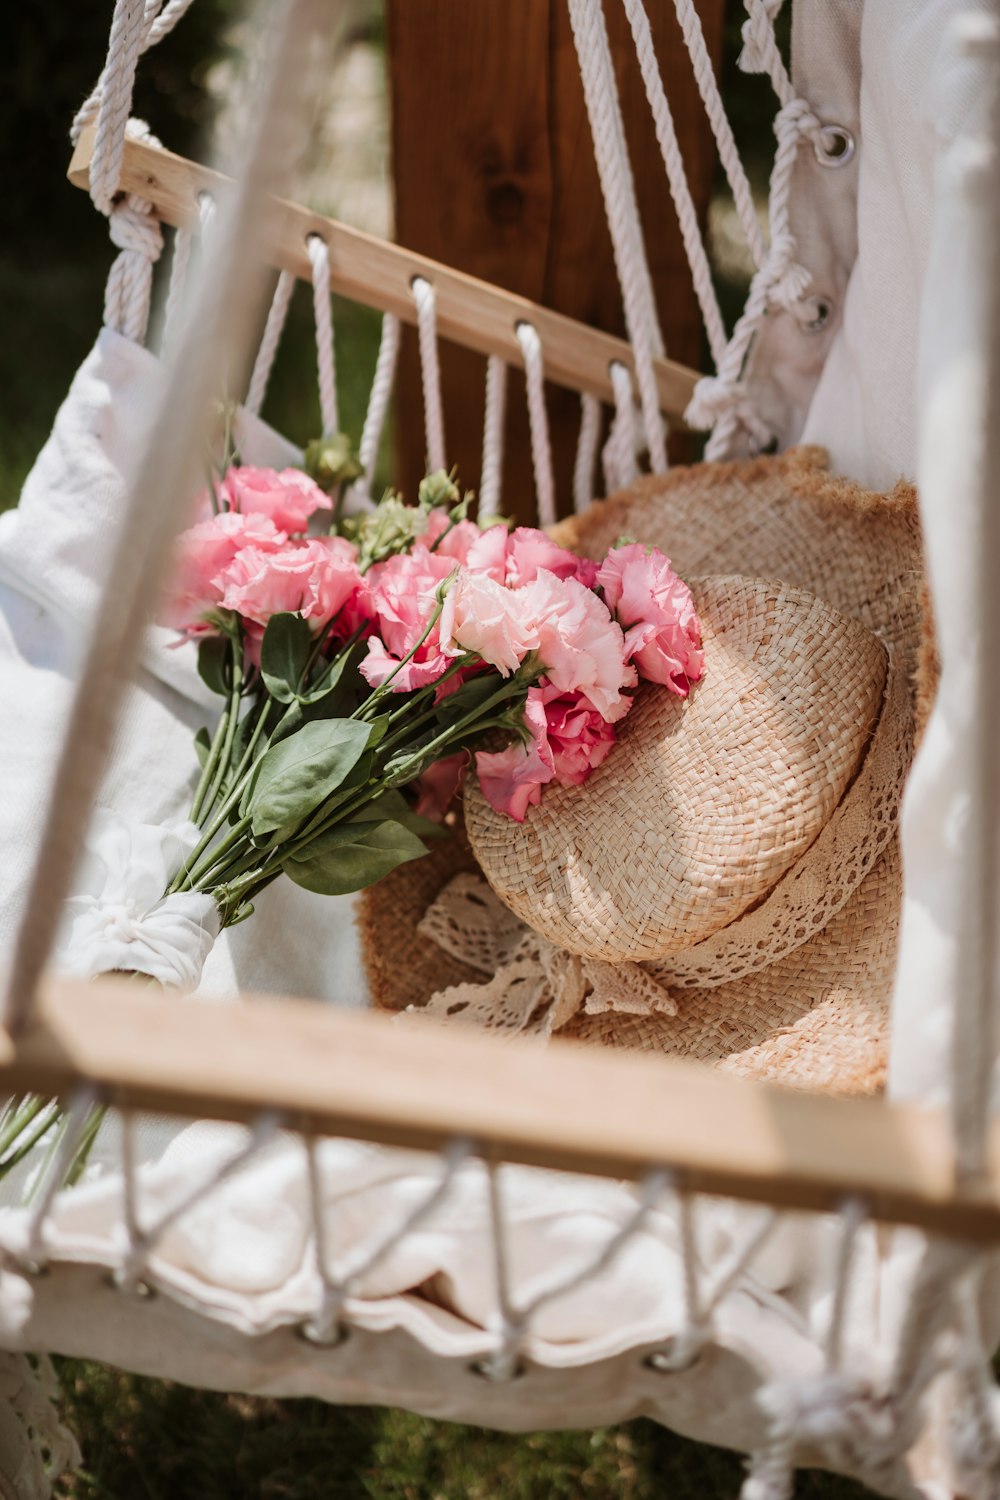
{"points": [[818, 1018]]}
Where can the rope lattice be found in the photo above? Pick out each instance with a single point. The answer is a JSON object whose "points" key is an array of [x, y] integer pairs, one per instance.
{"points": [[538, 421], [378, 407], [277, 314], [319, 257], [618, 188], [680, 191], [430, 371], [586, 452], [490, 485]]}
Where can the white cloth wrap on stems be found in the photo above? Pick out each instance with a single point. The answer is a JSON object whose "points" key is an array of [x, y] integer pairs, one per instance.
{"points": [[119, 918]]}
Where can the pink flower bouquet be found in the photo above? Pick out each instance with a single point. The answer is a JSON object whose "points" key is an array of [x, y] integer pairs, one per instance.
{"points": [[361, 670]]}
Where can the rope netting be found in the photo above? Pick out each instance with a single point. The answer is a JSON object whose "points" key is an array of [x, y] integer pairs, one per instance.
{"points": [[862, 1423]]}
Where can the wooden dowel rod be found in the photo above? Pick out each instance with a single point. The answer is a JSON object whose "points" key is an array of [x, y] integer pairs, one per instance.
{"points": [[373, 271], [416, 1084]]}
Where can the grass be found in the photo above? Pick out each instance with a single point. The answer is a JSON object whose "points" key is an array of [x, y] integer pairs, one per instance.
{"points": [[145, 1439], [150, 1440]]}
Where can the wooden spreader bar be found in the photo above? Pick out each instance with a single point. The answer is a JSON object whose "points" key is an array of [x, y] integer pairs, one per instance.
{"points": [[420, 1085], [370, 270]]}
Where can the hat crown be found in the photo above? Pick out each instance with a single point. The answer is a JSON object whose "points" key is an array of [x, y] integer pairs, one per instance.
{"points": [[707, 802]]}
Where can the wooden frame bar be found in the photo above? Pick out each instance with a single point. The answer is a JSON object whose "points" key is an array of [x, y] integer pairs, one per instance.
{"points": [[470, 312], [417, 1084]]}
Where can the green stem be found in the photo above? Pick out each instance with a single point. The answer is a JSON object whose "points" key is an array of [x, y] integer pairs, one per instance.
{"points": [[232, 716], [383, 688], [27, 1142], [21, 1116], [208, 769]]}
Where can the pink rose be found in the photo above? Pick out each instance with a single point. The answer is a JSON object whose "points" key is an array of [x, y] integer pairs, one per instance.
{"points": [[582, 647], [288, 496], [314, 578], [579, 737], [656, 610], [454, 542], [515, 557], [201, 556], [439, 786], [481, 615], [403, 599], [511, 780]]}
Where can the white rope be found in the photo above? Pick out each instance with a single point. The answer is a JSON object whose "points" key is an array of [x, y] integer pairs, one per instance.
{"points": [[618, 188], [852, 1217], [538, 422], [157, 24], [586, 452], [319, 258], [378, 407], [270, 339], [325, 1327], [694, 37], [491, 479], [142, 1242], [117, 80], [180, 265], [620, 465], [430, 371], [680, 191], [54, 1174], [133, 228], [723, 399], [761, 53]]}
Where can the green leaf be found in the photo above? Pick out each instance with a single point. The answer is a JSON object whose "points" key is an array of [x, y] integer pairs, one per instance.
{"points": [[214, 663], [353, 855], [296, 775], [202, 745], [284, 652]]}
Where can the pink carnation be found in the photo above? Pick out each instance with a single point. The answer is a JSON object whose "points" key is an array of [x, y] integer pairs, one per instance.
{"points": [[201, 556], [578, 736], [511, 780], [454, 542], [288, 496], [403, 599], [582, 647], [314, 578], [569, 738], [481, 615], [516, 557], [656, 610], [439, 786]]}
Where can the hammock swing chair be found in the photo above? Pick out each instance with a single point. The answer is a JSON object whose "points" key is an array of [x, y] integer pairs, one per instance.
{"points": [[295, 1199]]}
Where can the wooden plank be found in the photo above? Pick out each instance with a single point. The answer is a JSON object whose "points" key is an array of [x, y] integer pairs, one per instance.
{"points": [[569, 1106], [380, 274], [503, 184]]}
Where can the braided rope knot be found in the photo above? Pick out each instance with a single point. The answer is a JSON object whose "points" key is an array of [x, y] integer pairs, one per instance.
{"points": [[715, 398], [854, 1426], [758, 36], [132, 227]]}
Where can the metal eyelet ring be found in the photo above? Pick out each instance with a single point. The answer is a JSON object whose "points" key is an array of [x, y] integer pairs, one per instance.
{"points": [[672, 1358], [309, 1333], [834, 146], [486, 1370], [141, 1290], [817, 312]]}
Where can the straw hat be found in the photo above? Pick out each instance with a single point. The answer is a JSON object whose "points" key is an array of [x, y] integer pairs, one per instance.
{"points": [[726, 886]]}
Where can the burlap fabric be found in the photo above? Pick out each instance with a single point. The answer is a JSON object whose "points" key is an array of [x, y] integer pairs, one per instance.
{"points": [[816, 1013]]}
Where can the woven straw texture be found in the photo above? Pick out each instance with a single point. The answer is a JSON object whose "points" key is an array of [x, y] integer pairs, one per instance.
{"points": [[815, 1014]]}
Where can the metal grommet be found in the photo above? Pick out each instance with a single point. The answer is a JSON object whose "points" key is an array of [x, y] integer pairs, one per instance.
{"points": [[310, 1333], [487, 1369], [672, 1357], [834, 146], [817, 312], [141, 1290], [35, 1269]]}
